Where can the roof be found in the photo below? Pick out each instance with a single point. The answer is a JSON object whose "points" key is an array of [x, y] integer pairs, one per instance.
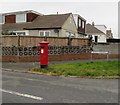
{"points": [[41, 22], [49, 21], [14, 26], [90, 29]]}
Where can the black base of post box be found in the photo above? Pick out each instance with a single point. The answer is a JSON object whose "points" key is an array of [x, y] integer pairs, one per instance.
{"points": [[43, 66]]}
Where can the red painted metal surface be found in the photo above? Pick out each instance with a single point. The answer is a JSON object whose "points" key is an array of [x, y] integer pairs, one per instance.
{"points": [[43, 53]]}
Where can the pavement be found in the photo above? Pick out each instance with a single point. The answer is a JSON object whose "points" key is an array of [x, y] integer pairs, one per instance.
{"points": [[32, 88], [24, 66]]}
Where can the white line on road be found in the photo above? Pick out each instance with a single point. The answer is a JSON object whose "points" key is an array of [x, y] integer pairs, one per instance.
{"points": [[20, 94]]}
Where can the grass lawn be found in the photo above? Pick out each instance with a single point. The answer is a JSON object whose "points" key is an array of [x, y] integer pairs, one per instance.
{"points": [[103, 68]]}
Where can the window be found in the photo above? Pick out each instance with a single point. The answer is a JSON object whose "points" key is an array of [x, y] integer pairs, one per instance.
{"points": [[83, 24], [44, 33], [70, 34], [79, 22], [20, 33], [25, 32], [41, 33], [67, 33], [20, 18], [2, 19], [82, 36]]}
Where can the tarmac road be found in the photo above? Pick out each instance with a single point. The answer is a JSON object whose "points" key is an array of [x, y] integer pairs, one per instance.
{"points": [[33, 88]]}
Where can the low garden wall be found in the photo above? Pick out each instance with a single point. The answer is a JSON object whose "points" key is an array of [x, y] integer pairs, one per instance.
{"points": [[56, 53]]}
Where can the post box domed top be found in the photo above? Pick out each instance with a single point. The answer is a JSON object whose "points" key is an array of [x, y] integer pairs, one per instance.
{"points": [[43, 42]]}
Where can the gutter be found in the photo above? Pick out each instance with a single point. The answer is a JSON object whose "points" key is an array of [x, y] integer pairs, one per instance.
{"points": [[41, 28]]}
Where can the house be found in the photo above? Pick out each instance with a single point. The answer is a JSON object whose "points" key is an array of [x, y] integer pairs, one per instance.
{"points": [[15, 21], [103, 28], [58, 25], [80, 24], [35, 24], [98, 36]]}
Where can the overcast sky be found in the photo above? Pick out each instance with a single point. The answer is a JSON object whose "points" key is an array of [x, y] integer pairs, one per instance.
{"points": [[104, 12]]}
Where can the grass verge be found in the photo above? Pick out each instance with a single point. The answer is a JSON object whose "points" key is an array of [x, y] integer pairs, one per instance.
{"points": [[91, 69]]}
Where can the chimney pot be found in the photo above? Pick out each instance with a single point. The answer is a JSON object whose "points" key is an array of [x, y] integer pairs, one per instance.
{"points": [[93, 23]]}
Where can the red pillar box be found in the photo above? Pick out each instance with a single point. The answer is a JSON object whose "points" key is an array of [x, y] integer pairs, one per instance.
{"points": [[43, 54]]}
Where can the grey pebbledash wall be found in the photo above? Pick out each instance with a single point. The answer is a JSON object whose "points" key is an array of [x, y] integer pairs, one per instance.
{"points": [[112, 48]]}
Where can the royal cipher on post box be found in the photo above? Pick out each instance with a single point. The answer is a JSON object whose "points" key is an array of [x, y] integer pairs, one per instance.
{"points": [[43, 54]]}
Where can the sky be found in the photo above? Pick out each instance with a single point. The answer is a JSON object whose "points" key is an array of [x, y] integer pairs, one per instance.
{"points": [[101, 12]]}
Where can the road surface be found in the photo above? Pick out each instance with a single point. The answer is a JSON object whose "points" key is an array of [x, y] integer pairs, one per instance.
{"points": [[33, 88]]}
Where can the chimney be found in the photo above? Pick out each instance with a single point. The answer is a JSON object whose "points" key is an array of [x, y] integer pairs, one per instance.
{"points": [[93, 23]]}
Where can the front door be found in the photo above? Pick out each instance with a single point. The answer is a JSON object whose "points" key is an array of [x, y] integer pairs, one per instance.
{"points": [[96, 38]]}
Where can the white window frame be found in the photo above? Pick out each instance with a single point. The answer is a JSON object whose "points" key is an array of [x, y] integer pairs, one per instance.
{"points": [[2, 19], [79, 22], [67, 33], [72, 34], [47, 32], [41, 32], [44, 33], [20, 21], [20, 33], [83, 24], [17, 33]]}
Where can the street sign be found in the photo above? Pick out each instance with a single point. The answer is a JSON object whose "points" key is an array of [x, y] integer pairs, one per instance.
{"points": [[100, 52]]}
